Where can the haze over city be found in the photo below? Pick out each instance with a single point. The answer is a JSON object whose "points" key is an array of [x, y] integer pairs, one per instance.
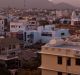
{"points": [[29, 3], [39, 37]]}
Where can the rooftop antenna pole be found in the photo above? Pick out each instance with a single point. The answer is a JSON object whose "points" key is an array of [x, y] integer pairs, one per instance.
{"points": [[24, 4], [8, 9]]}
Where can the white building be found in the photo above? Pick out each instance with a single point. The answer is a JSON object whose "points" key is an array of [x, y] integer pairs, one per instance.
{"points": [[22, 25], [65, 21], [31, 37], [17, 26], [47, 35], [75, 18], [49, 32], [32, 25], [59, 13], [44, 34]]}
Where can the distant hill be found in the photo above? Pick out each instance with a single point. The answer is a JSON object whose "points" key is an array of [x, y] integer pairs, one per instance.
{"points": [[35, 4], [47, 4], [63, 6], [39, 4]]}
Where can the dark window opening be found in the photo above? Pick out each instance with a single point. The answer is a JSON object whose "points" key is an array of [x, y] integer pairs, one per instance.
{"points": [[24, 36], [3, 49], [59, 60], [9, 46], [69, 74], [78, 61], [59, 73], [46, 34], [14, 46], [62, 34], [68, 61], [19, 26]]}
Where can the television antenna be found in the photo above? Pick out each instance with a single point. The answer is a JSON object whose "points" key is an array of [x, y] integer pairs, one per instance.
{"points": [[24, 4]]}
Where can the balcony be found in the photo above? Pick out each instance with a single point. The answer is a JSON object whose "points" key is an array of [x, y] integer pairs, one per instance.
{"points": [[5, 57]]}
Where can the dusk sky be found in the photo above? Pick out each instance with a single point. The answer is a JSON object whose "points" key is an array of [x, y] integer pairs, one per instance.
{"points": [[19, 3]]}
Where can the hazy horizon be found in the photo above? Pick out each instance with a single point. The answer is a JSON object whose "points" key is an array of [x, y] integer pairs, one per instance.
{"points": [[19, 3], [72, 2]]}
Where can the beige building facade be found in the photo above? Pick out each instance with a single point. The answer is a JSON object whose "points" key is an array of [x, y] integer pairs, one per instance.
{"points": [[61, 58]]}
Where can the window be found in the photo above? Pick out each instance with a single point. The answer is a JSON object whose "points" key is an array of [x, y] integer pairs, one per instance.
{"points": [[59, 73], [59, 60], [2, 28], [62, 34], [19, 26], [65, 22], [3, 49], [9, 46], [2, 22], [24, 36], [77, 61], [30, 41], [46, 34], [32, 22], [0, 48], [12, 54], [30, 36], [69, 74], [12, 26], [14, 46], [68, 61]]}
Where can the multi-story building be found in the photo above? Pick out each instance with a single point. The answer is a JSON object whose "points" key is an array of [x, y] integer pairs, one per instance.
{"points": [[22, 25], [9, 50], [44, 34], [75, 18], [31, 37], [17, 26], [61, 57], [50, 32], [2, 26]]}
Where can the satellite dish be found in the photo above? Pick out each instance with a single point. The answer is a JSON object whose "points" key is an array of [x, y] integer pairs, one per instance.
{"points": [[56, 42]]}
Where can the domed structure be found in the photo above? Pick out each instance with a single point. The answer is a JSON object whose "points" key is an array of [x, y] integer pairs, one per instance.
{"points": [[56, 42]]}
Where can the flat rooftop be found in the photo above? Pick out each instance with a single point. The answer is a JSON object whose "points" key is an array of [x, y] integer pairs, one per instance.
{"points": [[66, 45], [73, 47]]}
